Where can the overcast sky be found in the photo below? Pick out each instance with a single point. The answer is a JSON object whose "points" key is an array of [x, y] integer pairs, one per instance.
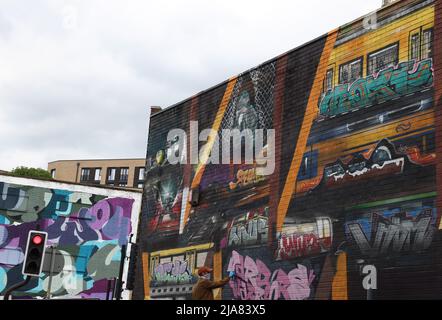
{"points": [[77, 77]]}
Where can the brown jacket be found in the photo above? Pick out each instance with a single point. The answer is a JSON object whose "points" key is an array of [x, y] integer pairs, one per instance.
{"points": [[203, 288]]}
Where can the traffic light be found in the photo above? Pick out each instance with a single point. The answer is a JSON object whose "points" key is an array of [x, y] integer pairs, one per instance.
{"points": [[34, 254], [132, 266]]}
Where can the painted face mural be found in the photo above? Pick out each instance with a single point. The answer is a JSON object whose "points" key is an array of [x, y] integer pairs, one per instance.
{"points": [[355, 185], [250, 106], [246, 116], [86, 234], [164, 190], [167, 195], [251, 103]]}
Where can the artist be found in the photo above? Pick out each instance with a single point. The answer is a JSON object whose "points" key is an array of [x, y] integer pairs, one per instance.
{"points": [[203, 289]]}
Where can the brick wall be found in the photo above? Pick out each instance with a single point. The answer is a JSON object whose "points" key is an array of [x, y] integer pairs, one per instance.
{"points": [[354, 195]]}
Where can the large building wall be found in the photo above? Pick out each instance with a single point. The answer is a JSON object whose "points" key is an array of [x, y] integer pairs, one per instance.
{"points": [[88, 229], [356, 183]]}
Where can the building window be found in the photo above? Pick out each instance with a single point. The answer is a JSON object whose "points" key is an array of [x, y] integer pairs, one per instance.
{"points": [[383, 58], [111, 175], [124, 175], [414, 46], [328, 85], [139, 177], [427, 44], [97, 176], [141, 173], [309, 166], [90, 175], [85, 175], [324, 228], [117, 176], [53, 172], [350, 71]]}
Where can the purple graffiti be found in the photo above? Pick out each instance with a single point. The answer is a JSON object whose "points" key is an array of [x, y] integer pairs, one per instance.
{"points": [[255, 281], [109, 219], [88, 236]]}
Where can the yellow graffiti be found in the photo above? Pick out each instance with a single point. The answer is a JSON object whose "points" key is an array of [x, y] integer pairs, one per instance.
{"points": [[246, 178]]}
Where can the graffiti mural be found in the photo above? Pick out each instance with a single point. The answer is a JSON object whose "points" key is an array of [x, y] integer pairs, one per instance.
{"points": [[177, 272], [380, 161], [394, 230], [255, 281], [86, 233], [388, 84], [247, 230], [301, 240], [106, 220], [164, 194], [355, 181], [173, 272]]}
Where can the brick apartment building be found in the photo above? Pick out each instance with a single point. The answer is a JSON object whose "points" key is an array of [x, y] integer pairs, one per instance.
{"points": [[125, 173]]}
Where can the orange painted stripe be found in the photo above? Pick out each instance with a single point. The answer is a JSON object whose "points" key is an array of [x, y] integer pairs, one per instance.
{"points": [[218, 272], [146, 275], [301, 144], [216, 126], [340, 285]]}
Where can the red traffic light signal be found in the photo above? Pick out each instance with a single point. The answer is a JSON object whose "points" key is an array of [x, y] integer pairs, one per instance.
{"points": [[37, 239], [34, 254]]}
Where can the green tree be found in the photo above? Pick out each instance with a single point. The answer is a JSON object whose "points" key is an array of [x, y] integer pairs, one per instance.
{"points": [[31, 173]]}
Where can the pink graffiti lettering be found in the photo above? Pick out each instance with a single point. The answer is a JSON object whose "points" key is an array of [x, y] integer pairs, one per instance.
{"points": [[255, 281]]}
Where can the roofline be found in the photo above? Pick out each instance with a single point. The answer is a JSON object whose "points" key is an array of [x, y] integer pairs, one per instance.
{"points": [[357, 20], [109, 159], [242, 73], [100, 186]]}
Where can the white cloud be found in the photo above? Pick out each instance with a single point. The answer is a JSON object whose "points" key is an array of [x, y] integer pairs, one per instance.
{"points": [[77, 77]]}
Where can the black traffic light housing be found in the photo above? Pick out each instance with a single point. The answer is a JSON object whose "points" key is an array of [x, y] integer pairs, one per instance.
{"points": [[34, 254]]}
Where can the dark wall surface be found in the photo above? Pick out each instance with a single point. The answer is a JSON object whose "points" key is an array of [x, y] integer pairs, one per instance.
{"points": [[354, 201]]}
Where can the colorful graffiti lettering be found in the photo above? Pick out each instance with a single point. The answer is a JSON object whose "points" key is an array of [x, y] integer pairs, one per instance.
{"points": [[87, 232], [386, 85], [256, 282], [23, 204], [255, 232], [306, 239], [12, 198], [245, 178], [107, 220], [177, 272], [249, 229], [302, 245], [393, 231]]}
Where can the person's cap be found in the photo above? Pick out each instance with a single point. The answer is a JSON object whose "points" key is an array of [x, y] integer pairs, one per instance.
{"points": [[204, 270]]}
